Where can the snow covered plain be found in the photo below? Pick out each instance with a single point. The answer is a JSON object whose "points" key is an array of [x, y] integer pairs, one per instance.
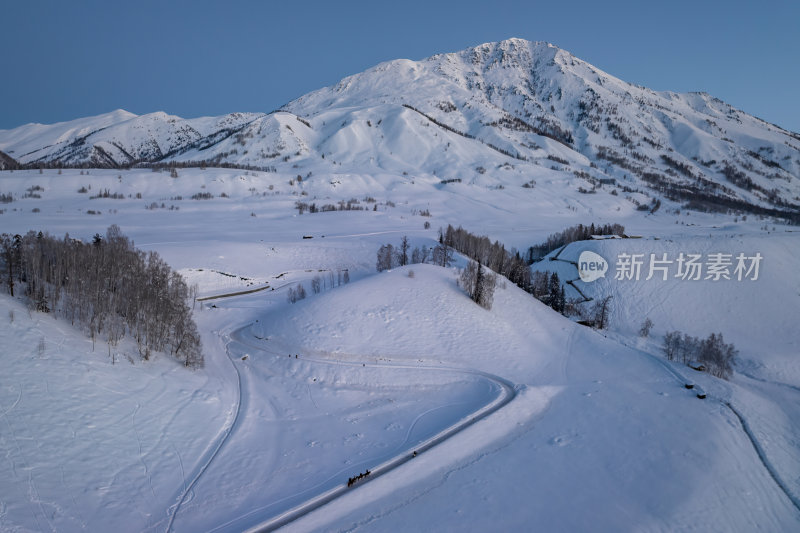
{"points": [[599, 432]]}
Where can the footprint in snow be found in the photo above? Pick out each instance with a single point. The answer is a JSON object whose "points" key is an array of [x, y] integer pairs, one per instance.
{"points": [[561, 440]]}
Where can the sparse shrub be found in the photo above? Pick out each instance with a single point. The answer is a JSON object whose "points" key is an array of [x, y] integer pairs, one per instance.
{"points": [[647, 325]]}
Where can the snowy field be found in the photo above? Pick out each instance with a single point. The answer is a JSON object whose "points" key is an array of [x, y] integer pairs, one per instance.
{"points": [[521, 418]]}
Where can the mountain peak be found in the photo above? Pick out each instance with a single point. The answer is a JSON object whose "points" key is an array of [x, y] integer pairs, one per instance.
{"points": [[527, 104]]}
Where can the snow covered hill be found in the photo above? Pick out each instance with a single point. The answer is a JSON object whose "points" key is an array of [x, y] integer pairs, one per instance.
{"points": [[116, 139], [465, 115], [593, 430], [601, 433]]}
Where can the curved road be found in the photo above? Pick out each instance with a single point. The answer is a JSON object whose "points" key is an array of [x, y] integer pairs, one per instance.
{"points": [[507, 393]]}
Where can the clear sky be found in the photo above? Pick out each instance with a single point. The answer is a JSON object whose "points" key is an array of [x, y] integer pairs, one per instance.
{"points": [[68, 59]]}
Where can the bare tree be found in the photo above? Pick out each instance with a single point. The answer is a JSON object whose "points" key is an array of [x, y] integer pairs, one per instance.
{"points": [[442, 255], [672, 344], [385, 258], [647, 325], [403, 252], [600, 313], [420, 255], [478, 284], [716, 357], [297, 293], [107, 287]]}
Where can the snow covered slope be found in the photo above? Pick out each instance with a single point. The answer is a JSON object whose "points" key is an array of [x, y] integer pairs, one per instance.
{"points": [[467, 115], [600, 434], [116, 139], [598, 438]]}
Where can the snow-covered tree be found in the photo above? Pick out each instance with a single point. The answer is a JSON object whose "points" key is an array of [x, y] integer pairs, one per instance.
{"points": [[478, 283]]}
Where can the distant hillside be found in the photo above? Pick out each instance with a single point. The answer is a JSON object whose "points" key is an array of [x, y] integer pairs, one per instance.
{"points": [[512, 104]]}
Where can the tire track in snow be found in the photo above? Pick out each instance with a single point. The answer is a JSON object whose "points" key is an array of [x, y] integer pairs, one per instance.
{"points": [[221, 439], [507, 392], [14, 405], [763, 456]]}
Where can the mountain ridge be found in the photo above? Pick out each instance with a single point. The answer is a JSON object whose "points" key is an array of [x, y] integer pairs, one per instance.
{"points": [[529, 103]]}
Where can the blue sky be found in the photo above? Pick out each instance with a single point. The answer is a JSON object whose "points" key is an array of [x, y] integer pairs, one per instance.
{"points": [[64, 60]]}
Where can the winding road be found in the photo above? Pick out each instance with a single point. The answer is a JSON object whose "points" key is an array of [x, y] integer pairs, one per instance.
{"points": [[242, 336]]}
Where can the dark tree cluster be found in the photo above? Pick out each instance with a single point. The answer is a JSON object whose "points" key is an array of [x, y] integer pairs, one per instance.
{"points": [[493, 255], [711, 353], [547, 288], [475, 279], [349, 205], [202, 196], [543, 286], [683, 168], [390, 256], [296, 293], [107, 287], [320, 282], [469, 136], [572, 234], [7, 162], [478, 283], [105, 193]]}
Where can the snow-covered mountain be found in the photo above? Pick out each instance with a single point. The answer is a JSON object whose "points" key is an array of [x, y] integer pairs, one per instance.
{"points": [[464, 115], [116, 139]]}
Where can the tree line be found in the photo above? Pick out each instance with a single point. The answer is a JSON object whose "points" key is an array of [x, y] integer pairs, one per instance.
{"points": [[544, 286], [572, 234], [390, 256], [474, 279], [712, 354], [107, 287], [492, 255]]}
